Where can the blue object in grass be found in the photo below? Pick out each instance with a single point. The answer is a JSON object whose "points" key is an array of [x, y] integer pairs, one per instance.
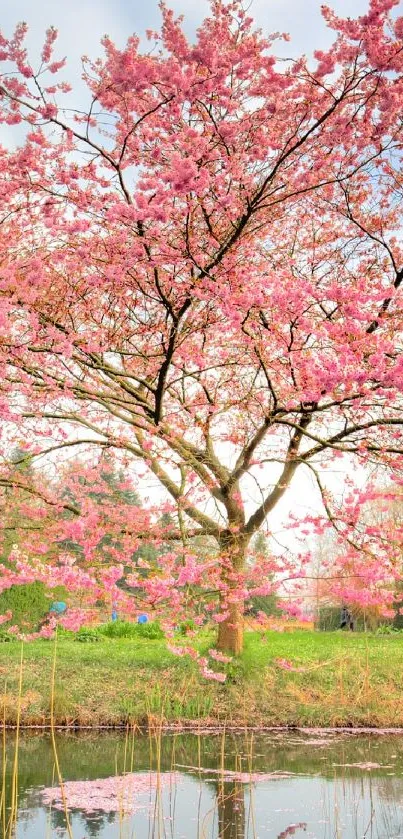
{"points": [[142, 619], [59, 607], [114, 615]]}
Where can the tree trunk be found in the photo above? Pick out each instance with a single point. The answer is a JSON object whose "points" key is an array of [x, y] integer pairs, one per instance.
{"points": [[230, 630]]}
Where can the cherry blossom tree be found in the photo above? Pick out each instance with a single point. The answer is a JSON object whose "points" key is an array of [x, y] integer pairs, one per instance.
{"points": [[202, 269]]}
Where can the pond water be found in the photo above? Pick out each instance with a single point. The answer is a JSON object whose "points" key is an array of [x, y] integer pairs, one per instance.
{"points": [[316, 785]]}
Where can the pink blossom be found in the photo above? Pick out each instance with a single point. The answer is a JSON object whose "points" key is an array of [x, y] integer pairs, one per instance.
{"points": [[285, 664], [212, 675], [217, 656], [196, 336]]}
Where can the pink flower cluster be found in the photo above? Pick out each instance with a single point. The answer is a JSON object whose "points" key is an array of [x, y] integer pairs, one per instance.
{"points": [[285, 664], [202, 661]]}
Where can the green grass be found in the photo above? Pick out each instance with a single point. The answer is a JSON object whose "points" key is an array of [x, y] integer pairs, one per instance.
{"points": [[344, 679]]}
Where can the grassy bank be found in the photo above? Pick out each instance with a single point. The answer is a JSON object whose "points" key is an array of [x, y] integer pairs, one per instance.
{"points": [[339, 679]]}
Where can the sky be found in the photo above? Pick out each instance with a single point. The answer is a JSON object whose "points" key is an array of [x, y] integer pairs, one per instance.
{"points": [[81, 25]]}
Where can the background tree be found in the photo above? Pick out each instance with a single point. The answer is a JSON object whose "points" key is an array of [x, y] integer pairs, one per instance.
{"points": [[24, 523], [267, 604], [380, 517], [202, 269]]}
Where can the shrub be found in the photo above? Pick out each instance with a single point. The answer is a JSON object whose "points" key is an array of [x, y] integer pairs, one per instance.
{"points": [[185, 627], [387, 629], [28, 604], [88, 635], [125, 629], [5, 637]]}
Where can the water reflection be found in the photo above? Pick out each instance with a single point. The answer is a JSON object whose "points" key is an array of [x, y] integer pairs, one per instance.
{"points": [[206, 787], [231, 810]]}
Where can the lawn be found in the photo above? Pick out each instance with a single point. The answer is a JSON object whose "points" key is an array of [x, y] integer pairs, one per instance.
{"points": [[337, 679]]}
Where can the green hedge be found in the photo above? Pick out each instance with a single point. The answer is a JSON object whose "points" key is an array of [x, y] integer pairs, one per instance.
{"points": [[29, 603]]}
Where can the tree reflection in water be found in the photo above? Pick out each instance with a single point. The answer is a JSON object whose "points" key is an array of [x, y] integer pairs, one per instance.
{"points": [[232, 814], [231, 810], [200, 787]]}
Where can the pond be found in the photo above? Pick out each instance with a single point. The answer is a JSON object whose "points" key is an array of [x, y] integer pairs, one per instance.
{"points": [[316, 785]]}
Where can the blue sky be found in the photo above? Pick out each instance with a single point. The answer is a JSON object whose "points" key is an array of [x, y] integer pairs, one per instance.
{"points": [[82, 23]]}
